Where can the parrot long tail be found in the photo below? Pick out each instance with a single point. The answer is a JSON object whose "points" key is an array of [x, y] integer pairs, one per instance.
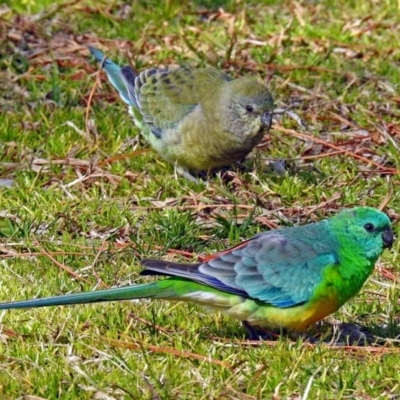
{"points": [[113, 72], [164, 289]]}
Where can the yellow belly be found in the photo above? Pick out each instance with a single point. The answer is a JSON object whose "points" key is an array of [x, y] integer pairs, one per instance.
{"points": [[296, 318]]}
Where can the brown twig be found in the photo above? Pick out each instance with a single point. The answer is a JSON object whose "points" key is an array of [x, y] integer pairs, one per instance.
{"points": [[292, 132], [167, 350]]}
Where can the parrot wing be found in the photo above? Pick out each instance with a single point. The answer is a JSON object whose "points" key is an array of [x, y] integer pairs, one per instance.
{"points": [[166, 97], [275, 267]]}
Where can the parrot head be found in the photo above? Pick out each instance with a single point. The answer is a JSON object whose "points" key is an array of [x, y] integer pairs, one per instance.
{"points": [[367, 230], [250, 107]]}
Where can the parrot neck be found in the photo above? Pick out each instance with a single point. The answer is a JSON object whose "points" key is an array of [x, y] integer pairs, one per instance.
{"points": [[354, 264], [354, 270]]}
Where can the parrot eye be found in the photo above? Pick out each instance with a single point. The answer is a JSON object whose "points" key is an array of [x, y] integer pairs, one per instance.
{"points": [[369, 227], [249, 109]]}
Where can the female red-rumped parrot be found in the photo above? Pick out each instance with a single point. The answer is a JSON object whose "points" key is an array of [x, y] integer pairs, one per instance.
{"points": [[288, 278], [197, 119]]}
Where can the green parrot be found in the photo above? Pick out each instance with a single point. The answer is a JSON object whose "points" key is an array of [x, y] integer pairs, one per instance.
{"points": [[287, 278], [196, 119]]}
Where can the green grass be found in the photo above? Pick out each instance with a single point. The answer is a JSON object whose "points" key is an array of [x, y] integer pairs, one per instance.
{"points": [[76, 201]]}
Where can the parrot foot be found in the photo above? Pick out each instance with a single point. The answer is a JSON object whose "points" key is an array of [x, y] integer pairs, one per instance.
{"points": [[186, 174], [203, 176], [291, 114], [258, 333], [278, 165], [351, 334], [304, 337]]}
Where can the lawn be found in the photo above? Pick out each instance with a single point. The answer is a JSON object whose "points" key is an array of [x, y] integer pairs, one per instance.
{"points": [[83, 198]]}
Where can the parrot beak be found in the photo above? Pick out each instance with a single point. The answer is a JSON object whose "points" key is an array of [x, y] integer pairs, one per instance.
{"points": [[266, 119], [387, 237]]}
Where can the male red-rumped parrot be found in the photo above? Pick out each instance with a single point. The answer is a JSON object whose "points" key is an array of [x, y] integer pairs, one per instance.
{"points": [[197, 119], [289, 277]]}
